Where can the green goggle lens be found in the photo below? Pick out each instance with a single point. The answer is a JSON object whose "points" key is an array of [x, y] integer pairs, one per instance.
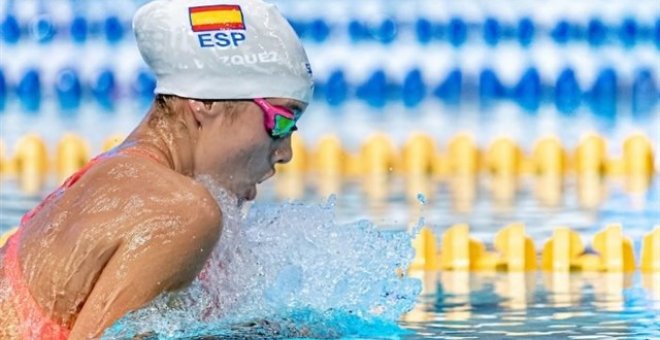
{"points": [[283, 126]]}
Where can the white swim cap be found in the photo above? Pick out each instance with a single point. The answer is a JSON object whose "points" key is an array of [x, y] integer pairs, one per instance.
{"points": [[222, 49]]}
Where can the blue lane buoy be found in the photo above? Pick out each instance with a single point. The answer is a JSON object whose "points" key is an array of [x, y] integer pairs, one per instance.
{"points": [[492, 31], [114, 29], [44, 29], [603, 94], [628, 32], [78, 29], [567, 92], [529, 90], [299, 27], [29, 90], [424, 31], [374, 90], [3, 90], [596, 32], [414, 88], [561, 33], [457, 32], [11, 29], [450, 89], [656, 33], [386, 32], [104, 88], [357, 31], [645, 93], [319, 89], [144, 85], [68, 89], [490, 87], [526, 31], [319, 30], [336, 88]]}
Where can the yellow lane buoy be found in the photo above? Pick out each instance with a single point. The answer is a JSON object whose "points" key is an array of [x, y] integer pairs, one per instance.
{"points": [[560, 253], [516, 248], [328, 157], [31, 156], [588, 263], [650, 255], [111, 142], [440, 165], [463, 155], [459, 251], [31, 163], [4, 161], [426, 253], [418, 155], [72, 154], [590, 155], [638, 156], [377, 155], [615, 251], [549, 157], [353, 165], [503, 158]]}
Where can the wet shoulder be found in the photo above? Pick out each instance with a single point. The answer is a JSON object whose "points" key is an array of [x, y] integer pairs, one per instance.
{"points": [[145, 186]]}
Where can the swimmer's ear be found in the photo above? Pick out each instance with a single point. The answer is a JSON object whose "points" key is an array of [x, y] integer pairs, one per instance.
{"points": [[200, 110]]}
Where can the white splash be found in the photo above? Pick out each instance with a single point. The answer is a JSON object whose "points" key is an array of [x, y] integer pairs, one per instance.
{"points": [[287, 269]]}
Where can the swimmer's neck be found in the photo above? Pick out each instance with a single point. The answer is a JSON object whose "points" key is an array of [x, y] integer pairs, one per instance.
{"points": [[169, 139]]}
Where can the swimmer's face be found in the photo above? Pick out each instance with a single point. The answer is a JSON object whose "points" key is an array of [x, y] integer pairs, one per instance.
{"points": [[236, 150]]}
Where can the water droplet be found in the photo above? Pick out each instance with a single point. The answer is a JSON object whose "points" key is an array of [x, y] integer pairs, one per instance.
{"points": [[332, 201], [421, 198], [293, 265]]}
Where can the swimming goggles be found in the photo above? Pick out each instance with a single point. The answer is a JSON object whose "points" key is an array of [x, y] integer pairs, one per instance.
{"points": [[279, 121]]}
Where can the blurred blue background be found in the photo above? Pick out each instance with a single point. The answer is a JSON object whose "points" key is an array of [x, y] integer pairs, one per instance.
{"points": [[588, 60]]}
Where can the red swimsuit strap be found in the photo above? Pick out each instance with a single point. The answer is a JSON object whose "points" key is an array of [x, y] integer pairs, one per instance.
{"points": [[35, 324], [67, 183]]}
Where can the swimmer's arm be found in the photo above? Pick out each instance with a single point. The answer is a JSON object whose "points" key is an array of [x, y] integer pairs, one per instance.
{"points": [[134, 276]]}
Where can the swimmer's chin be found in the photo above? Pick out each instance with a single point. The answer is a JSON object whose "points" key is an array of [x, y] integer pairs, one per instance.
{"points": [[250, 194]]}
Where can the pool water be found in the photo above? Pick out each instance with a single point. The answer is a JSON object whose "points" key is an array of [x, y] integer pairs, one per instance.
{"points": [[539, 305], [459, 305]]}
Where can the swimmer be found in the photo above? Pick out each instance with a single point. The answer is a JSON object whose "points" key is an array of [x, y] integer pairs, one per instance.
{"points": [[232, 80]]}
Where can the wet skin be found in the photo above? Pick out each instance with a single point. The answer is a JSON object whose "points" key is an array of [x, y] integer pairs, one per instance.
{"points": [[137, 223]]}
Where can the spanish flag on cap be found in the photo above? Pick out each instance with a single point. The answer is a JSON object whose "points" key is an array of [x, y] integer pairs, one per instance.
{"points": [[216, 18]]}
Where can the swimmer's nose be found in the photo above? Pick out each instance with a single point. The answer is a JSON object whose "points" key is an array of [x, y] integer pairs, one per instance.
{"points": [[283, 152]]}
